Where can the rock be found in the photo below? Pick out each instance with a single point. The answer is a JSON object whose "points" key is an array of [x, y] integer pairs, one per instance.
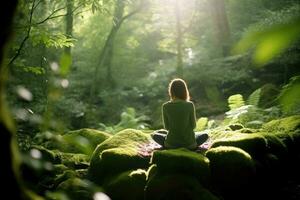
{"points": [[79, 189], [176, 187], [74, 160], [182, 161], [79, 141], [287, 130], [232, 169], [284, 125], [127, 185], [118, 154], [254, 144]]}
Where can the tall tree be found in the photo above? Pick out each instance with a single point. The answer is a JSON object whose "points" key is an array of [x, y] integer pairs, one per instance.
{"points": [[69, 24], [179, 33], [106, 56], [220, 21]]}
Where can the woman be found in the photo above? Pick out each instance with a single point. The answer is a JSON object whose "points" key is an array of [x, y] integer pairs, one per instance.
{"points": [[179, 120]]}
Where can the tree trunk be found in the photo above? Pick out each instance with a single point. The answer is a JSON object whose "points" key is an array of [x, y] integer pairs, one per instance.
{"points": [[69, 24], [108, 48], [220, 20], [8, 167], [179, 68]]}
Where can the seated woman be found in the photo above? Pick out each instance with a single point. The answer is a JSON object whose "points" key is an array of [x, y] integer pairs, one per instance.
{"points": [[179, 120]]}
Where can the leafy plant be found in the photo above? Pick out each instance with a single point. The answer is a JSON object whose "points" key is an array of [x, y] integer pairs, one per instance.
{"points": [[290, 96], [129, 119]]}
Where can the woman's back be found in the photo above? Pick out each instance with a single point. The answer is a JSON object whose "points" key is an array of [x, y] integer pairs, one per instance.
{"points": [[179, 120]]}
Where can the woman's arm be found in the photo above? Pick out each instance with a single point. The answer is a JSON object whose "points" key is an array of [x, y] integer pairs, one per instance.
{"points": [[193, 116], [165, 118]]}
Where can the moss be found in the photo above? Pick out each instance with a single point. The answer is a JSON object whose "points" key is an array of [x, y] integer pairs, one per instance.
{"points": [[276, 146], [78, 189], [182, 161], [248, 130], [59, 168], [201, 124], [254, 144], [232, 168], [47, 155], [284, 125], [118, 154], [176, 187], [127, 185], [63, 177], [79, 141], [74, 160]]}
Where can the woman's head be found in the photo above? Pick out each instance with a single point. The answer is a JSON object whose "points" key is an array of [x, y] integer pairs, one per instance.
{"points": [[178, 90]]}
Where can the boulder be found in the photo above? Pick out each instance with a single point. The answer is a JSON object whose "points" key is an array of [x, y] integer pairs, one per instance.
{"points": [[126, 185], [118, 154], [176, 187], [232, 169], [254, 144], [79, 141], [182, 161]]}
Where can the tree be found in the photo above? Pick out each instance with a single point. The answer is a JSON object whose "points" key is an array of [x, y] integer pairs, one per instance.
{"points": [[106, 56], [222, 30], [69, 24], [179, 39]]}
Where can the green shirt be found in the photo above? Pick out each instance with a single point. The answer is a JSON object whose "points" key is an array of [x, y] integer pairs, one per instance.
{"points": [[180, 120]]}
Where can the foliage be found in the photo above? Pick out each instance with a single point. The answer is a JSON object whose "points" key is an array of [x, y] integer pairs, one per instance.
{"points": [[290, 96], [128, 120], [276, 38]]}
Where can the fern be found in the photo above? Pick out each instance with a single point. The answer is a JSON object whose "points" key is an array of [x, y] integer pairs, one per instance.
{"points": [[290, 96], [235, 101], [254, 97]]}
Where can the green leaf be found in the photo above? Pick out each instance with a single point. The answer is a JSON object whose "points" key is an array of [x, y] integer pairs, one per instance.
{"points": [[270, 42], [254, 97], [289, 97], [235, 101], [65, 64]]}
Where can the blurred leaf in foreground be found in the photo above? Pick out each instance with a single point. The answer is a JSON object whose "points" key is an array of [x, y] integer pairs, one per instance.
{"points": [[270, 42]]}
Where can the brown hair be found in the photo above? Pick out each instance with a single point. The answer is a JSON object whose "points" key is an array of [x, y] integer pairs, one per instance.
{"points": [[178, 89]]}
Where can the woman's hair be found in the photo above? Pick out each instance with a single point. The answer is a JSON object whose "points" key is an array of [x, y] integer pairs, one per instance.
{"points": [[178, 89]]}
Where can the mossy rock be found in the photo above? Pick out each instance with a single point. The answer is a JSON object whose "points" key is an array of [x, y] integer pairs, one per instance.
{"points": [[74, 160], [182, 161], [284, 125], [68, 174], [276, 146], [46, 154], [254, 144], [78, 189], [79, 141], [118, 154], [59, 168], [232, 169], [176, 187], [127, 185]]}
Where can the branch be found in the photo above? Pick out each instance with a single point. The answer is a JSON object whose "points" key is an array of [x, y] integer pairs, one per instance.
{"points": [[56, 16], [50, 16], [33, 7], [132, 13]]}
